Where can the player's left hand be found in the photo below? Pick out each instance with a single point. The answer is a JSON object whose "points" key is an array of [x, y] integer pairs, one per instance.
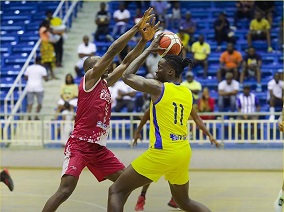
{"points": [[143, 23], [281, 126], [149, 32], [215, 142]]}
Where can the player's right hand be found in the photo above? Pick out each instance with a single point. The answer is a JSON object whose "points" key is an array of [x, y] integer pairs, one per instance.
{"points": [[155, 45], [143, 23], [137, 135], [216, 143]]}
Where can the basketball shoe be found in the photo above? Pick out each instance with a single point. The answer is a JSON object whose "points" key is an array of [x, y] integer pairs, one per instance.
{"points": [[6, 179], [140, 203]]}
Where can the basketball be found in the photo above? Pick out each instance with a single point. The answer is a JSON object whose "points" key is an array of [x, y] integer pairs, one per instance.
{"points": [[171, 42]]}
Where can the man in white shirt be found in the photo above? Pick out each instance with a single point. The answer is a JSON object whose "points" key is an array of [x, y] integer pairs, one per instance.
{"points": [[85, 50], [152, 64], [34, 75], [227, 90], [125, 97], [275, 95], [121, 17]]}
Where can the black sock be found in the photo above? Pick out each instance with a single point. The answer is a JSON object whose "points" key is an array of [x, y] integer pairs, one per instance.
{"points": [[1, 176], [143, 193]]}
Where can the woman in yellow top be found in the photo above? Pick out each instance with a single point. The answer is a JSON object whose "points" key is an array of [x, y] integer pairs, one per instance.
{"points": [[169, 150]]}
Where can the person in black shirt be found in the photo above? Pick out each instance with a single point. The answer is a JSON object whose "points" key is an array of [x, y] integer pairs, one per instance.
{"points": [[244, 10], [102, 20]]}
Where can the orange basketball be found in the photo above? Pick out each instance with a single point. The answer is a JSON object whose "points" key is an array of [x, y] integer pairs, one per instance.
{"points": [[171, 42]]}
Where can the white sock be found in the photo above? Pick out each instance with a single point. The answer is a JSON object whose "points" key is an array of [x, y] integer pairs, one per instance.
{"points": [[272, 110]]}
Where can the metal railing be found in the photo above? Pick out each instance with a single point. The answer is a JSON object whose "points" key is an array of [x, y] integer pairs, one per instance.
{"points": [[9, 100], [25, 132]]}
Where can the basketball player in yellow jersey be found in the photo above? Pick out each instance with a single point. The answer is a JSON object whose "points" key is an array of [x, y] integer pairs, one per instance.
{"points": [[169, 152]]}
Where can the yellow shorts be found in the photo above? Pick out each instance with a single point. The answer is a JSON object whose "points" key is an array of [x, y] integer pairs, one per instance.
{"points": [[173, 164]]}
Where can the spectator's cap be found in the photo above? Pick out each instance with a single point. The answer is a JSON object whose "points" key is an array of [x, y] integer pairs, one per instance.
{"points": [[229, 75], [189, 74]]}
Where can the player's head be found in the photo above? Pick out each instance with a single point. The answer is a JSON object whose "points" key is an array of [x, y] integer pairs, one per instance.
{"points": [[246, 90], [251, 51], [90, 62], [201, 39], [230, 48], [170, 68], [69, 80]]}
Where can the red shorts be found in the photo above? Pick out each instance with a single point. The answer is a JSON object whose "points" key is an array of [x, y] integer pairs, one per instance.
{"points": [[99, 160]]}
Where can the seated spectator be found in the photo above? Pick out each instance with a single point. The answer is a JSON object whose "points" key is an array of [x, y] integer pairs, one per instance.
{"points": [[230, 61], [192, 85], [275, 96], [251, 67], [152, 64], [34, 75], [84, 50], [184, 37], [188, 25], [223, 32], [244, 10], [121, 17], [259, 30], [227, 90], [125, 97], [160, 9], [68, 93], [266, 8], [175, 17], [206, 104], [201, 51], [102, 20], [247, 103]]}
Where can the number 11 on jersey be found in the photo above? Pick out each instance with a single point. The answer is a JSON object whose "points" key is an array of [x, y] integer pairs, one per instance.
{"points": [[176, 113]]}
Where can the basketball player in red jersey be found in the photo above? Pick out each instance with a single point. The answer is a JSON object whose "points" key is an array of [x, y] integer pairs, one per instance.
{"points": [[86, 145]]}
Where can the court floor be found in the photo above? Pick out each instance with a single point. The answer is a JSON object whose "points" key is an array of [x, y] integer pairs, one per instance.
{"points": [[220, 191]]}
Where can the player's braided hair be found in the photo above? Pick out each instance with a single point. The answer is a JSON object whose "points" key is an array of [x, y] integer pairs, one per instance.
{"points": [[177, 63]]}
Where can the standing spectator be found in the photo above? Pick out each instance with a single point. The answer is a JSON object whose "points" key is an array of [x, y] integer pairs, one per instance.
{"points": [[266, 8], [121, 17], [188, 25], [152, 64], [102, 20], [192, 85], [247, 103], [275, 96], [244, 10], [222, 31], [259, 30], [34, 74], [184, 37], [206, 104], [85, 50], [160, 9], [201, 51], [57, 26], [175, 17], [251, 67], [227, 90], [68, 93], [230, 61], [125, 97]]}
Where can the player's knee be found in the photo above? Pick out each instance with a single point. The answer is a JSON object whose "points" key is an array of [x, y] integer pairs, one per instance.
{"points": [[115, 190]]}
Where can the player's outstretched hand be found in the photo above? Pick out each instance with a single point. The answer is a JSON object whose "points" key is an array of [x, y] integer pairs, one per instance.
{"points": [[215, 142], [281, 126], [143, 23], [137, 135], [150, 30], [155, 45]]}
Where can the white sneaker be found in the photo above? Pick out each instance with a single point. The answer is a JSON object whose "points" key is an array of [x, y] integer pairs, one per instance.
{"points": [[271, 118], [278, 205]]}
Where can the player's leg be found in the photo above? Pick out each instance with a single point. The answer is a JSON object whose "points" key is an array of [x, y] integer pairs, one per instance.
{"points": [[180, 195], [67, 185], [279, 202], [6, 179], [123, 186], [141, 199]]}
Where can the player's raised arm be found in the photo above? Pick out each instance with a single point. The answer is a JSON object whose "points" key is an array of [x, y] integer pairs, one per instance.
{"points": [[117, 46], [147, 35]]}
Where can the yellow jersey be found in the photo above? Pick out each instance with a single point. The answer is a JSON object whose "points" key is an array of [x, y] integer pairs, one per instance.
{"points": [[169, 116], [262, 25]]}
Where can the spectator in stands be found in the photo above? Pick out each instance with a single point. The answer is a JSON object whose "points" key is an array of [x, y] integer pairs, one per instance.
{"points": [[175, 17], [222, 31], [247, 103], [84, 50], [259, 30], [251, 67], [68, 93], [125, 97], [67, 115], [192, 85], [139, 4], [57, 26], [280, 36], [160, 9], [46, 47], [230, 61], [201, 50], [206, 104], [188, 25], [152, 64], [102, 21], [34, 75], [266, 8], [121, 17], [244, 10], [184, 37], [227, 90], [275, 96]]}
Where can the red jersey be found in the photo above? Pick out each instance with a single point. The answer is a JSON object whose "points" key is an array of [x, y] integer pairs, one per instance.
{"points": [[93, 113]]}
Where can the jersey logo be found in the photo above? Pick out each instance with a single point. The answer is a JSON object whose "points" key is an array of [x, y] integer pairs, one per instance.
{"points": [[105, 95], [175, 137], [102, 125]]}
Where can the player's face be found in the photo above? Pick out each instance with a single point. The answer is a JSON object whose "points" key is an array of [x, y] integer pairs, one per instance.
{"points": [[163, 68]]}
